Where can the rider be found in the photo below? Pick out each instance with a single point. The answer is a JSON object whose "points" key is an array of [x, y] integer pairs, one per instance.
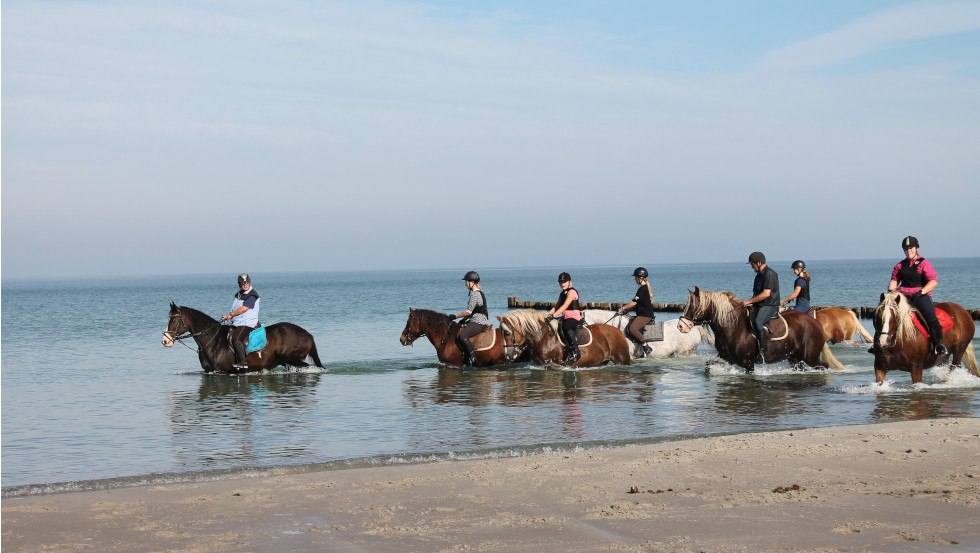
{"points": [[915, 277], [801, 287], [476, 319], [764, 302], [244, 317], [643, 305], [568, 308]]}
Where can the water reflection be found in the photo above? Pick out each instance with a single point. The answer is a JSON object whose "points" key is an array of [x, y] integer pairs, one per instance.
{"points": [[231, 421], [765, 397], [921, 405]]}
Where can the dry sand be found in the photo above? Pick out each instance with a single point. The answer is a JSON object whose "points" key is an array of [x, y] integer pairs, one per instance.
{"points": [[909, 486]]}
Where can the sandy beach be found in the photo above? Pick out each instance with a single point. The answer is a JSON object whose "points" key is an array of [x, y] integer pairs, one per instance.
{"points": [[908, 486]]}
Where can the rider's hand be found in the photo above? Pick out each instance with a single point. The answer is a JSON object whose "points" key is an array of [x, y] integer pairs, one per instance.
{"points": [[549, 318], [451, 316]]}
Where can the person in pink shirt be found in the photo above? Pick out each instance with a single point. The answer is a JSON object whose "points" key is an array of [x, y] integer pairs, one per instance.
{"points": [[915, 277], [567, 307]]}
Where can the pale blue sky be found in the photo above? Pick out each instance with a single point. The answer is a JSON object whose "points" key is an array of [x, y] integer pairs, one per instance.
{"points": [[201, 137]]}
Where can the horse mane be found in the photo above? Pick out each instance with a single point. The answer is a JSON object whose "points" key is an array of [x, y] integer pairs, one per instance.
{"points": [[904, 327], [432, 316], [197, 315], [724, 304], [527, 321]]}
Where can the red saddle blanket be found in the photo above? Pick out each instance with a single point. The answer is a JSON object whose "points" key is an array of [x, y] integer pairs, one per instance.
{"points": [[945, 321]]}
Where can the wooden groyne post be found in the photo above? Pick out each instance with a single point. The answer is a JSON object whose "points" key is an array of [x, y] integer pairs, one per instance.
{"points": [[516, 303]]}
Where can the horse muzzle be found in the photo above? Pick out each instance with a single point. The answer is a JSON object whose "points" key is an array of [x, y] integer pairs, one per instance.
{"points": [[684, 325], [167, 340], [405, 340]]}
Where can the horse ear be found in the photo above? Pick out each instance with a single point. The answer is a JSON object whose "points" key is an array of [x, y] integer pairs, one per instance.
{"points": [[696, 291], [882, 298], [173, 306], [498, 317]]}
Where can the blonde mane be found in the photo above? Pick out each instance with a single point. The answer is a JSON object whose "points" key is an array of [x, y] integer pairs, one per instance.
{"points": [[904, 327], [525, 321], [724, 304]]}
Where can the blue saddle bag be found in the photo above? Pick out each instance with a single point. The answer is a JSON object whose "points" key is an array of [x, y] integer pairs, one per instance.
{"points": [[256, 340]]}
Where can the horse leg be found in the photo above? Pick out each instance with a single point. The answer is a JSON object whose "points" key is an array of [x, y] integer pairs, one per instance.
{"points": [[916, 374], [880, 376]]}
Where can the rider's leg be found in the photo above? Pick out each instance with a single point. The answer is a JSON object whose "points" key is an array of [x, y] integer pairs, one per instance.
{"points": [[569, 328], [468, 331], [238, 336], [924, 304], [635, 333]]}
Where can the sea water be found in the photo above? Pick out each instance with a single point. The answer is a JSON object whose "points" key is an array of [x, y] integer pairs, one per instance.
{"points": [[91, 399]]}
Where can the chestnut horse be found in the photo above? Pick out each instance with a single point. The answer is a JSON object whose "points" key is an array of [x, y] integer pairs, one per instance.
{"points": [[526, 329], [441, 331], [901, 347], [736, 343], [288, 344], [839, 325]]}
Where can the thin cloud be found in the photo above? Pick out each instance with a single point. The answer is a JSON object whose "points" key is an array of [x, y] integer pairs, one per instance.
{"points": [[879, 31]]}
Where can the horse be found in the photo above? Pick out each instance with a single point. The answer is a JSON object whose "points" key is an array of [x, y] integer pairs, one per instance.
{"points": [[803, 341], [287, 344], [442, 330], [527, 330], [900, 346], [839, 325], [675, 342]]}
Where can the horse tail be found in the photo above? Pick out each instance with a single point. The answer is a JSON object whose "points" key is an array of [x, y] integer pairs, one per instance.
{"points": [[313, 354], [970, 360], [827, 358], [860, 328]]}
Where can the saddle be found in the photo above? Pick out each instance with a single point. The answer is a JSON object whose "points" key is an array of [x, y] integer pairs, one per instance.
{"points": [[945, 321], [584, 335], [653, 332], [777, 327], [256, 340], [484, 340]]}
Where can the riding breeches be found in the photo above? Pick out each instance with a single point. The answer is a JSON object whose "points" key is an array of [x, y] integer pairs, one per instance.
{"points": [[635, 329], [924, 304], [238, 335], [470, 330], [760, 316], [569, 329]]}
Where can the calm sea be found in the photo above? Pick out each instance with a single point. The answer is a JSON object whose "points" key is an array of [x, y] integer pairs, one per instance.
{"points": [[90, 398]]}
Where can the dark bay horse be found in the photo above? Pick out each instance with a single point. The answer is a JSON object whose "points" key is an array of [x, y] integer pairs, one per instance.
{"points": [[442, 330], [899, 346], [723, 312], [839, 325], [527, 328], [288, 344]]}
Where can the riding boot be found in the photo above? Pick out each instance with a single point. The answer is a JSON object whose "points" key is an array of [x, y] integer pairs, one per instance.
{"points": [[240, 355], [936, 331], [763, 339], [573, 344], [469, 358], [641, 349]]}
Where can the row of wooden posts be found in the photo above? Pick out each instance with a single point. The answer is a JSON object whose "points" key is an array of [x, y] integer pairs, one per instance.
{"points": [[516, 303]]}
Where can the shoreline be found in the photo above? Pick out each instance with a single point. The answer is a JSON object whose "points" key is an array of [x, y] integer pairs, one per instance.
{"points": [[909, 486]]}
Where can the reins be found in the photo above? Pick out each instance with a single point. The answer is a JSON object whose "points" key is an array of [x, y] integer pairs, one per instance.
{"points": [[181, 337]]}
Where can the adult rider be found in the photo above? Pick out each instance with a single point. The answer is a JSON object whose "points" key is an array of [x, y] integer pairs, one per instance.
{"points": [[643, 305], [244, 317], [915, 277], [476, 318], [764, 303], [567, 307]]}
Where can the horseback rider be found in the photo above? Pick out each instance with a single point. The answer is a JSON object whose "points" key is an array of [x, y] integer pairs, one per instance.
{"points": [[476, 318], [244, 317], [915, 277], [643, 305], [567, 307], [801, 287], [764, 303]]}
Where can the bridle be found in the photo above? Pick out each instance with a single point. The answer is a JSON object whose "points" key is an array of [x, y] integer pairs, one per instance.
{"points": [[505, 333], [185, 334]]}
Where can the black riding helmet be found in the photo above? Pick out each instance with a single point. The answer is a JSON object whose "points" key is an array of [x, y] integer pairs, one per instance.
{"points": [[757, 257], [564, 277], [472, 276], [640, 272], [910, 242], [798, 264], [243, 278]]}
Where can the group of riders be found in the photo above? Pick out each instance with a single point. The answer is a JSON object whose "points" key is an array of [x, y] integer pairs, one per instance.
{"points": [[913, 276]]}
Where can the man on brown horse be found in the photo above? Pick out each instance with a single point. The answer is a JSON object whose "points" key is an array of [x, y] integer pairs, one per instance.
{"points": [[244, 317], [476, 317], [764, 303]]}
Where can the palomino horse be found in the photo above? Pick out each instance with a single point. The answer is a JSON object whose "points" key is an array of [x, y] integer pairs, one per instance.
{"points": [[675, 342], [901, 347], [527, 328], [736, 343], [839, 325], [442, 331], [287, 344]]}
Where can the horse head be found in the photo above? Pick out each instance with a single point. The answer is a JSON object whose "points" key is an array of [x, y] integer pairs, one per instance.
{"points": [[513, 329], [692, 313], [176, 326], [413, 328], [705, 306], [893, 319]]}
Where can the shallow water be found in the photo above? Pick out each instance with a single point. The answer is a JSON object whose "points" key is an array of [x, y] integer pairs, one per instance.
{"points": [[95, 401]]}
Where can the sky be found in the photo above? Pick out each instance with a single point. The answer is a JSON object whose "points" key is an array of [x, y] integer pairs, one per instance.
{"points": [[226, 136]]}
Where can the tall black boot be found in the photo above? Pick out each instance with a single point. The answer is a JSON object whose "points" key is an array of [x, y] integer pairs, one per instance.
{"points": [[241, 358], [469, 358], [936, 330], [573, 345], [763, 339]]}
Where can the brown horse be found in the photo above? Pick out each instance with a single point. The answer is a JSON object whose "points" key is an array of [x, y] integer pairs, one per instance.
{"points": [[839, 325], [736, 343], [288, 344], [442, 331], [527, 328], [899, 346]]}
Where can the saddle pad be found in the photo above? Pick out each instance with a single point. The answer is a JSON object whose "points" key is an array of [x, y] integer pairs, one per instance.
{"points": [[945, 321], [256, 340], [778, 330], [653, 332], [584, 335], [484, 340]]}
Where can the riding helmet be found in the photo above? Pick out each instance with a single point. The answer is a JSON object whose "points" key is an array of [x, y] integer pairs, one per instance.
{"points": [[564, 277], [910, 242], [798, 264], [640, 272], [243, 278], [756, 257], [472, 276]]}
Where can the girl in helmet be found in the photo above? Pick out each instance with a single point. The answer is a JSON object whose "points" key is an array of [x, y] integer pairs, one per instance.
{"points": [[476, 318], [643, 305], [915, 277], [567, 307], [801, 287]]}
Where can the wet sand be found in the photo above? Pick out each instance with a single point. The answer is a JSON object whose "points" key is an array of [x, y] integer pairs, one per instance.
{"points": [[909, 486]]}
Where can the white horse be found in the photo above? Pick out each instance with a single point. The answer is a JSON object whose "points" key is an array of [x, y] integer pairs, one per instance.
{"points": [[674, 344]]}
